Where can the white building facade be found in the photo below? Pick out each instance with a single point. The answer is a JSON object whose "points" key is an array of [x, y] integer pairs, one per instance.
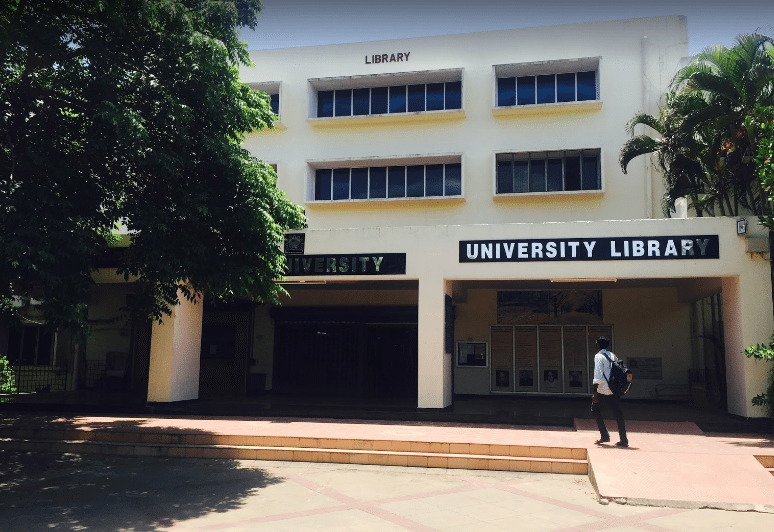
{"points": [[482, 171], [470, 230]]}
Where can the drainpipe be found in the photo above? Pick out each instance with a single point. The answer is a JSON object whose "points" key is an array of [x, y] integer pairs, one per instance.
{"points": [[649, 207]]}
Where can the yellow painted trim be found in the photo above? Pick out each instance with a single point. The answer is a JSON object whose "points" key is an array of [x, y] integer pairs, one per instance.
{"points": [[547, 108], [419, 116]]}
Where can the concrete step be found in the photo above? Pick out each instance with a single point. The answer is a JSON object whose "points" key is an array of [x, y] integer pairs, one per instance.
{"points": [[250, 447], [767, 462]]}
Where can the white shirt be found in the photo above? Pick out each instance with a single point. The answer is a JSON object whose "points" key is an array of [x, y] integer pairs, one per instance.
{"points": [[602, 369]]}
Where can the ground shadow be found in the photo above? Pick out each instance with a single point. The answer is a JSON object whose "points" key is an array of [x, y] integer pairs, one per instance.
{"points": [[68, 492]]}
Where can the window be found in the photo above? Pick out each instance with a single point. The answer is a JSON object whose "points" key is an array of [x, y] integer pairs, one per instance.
{"points": [[389, 181], [548, 82], [271, 88], [557, 171], [30, 346], [471, 354], [389, 100], [549, 88]]}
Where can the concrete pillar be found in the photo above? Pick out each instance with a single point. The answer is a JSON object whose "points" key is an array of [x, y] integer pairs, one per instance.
{"points": [[175, 352], [743, 326], [434, 364]]}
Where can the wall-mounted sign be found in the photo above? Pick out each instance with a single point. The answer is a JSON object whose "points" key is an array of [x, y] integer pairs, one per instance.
{"points": [[585, 249], [387, 58], [354, 264], [294, 243], [645, 367]]}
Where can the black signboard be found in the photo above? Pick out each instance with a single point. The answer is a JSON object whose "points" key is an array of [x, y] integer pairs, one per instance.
{"points": [[294, 243], [587, 249], [352, 264]]}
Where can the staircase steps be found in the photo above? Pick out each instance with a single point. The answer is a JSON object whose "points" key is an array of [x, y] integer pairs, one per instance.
{"points": [[169, 443], [766, 461]]}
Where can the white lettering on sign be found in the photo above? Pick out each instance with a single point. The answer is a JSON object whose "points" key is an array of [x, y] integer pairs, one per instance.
{"points": [[615, 248]]}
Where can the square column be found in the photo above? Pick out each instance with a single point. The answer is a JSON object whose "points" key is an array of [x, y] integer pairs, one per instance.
{"points": [[175, 354], [745, 325], [434, 373]]}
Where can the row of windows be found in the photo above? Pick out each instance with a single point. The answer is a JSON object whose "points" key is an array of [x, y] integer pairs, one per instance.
{"points": [[394, 99], [550, 88], [548, 171], [512, 90], [413, 181], [517, 173]]}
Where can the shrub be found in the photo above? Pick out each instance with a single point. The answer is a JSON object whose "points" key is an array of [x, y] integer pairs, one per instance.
{"points": [[764, 352], [7, 377]]}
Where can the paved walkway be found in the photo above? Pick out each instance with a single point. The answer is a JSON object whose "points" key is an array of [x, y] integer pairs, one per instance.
{"points": [[43, 492], [668, 464]]}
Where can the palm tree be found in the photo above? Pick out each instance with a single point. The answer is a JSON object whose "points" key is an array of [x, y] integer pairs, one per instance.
{"points": [[678, 151], [703, 149]]}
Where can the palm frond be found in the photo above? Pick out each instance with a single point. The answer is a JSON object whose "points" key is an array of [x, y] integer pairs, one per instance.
{"points": [[646, 120], [634, 147]]}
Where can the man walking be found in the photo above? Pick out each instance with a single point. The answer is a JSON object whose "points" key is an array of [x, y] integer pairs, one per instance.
{"points": [[603, 363]]}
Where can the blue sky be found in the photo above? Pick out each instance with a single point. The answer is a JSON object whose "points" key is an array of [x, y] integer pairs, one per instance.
{"points": [[292, 23]]}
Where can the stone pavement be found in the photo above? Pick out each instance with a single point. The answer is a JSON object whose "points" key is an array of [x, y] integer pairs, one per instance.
{"points": [[40, 491], [669, 464]]}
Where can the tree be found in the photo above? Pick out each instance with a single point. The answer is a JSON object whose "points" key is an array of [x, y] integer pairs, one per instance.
{"points": [[678, 151], [132, 111], [704, 149], [760, 124]]}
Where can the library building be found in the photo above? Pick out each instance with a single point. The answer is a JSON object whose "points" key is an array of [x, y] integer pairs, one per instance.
{"points": [[470, 233]]}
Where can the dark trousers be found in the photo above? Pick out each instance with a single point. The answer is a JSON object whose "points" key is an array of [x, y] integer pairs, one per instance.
{"points": [[615, 403]]}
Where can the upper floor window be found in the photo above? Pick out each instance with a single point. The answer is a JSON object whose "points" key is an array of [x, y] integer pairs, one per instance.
{"points": [[272, 88], [393, 181], [546, 83], [392, 99], [553, 171], [387, 94], [548, 88]]}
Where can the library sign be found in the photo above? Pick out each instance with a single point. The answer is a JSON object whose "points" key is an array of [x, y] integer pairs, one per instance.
{"points": [[588, 249]]}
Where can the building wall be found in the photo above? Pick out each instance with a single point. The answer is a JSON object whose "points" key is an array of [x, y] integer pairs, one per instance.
{"points": [[110, 328], [652, 323], [648, 302], [637, 59]]}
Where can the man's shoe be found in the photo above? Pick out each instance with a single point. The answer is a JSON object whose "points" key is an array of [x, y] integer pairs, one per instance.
{"points": [[600, 441], [622, 444]]}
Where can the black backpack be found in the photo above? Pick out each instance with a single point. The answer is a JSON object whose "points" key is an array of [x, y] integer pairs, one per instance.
{"points": [[620, 381]]}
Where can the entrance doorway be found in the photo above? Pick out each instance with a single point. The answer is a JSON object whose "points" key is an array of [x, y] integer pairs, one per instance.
{"points": [[392, 357], [365, 352], [225, 345]]}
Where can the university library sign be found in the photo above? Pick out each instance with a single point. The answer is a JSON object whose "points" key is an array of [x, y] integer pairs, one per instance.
{"points": [[588, 249]]}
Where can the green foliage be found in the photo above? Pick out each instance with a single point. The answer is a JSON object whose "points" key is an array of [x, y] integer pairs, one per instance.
{"points": [[765, 353], [7, 377], [133, 110], [761, 125], [703, 146]]}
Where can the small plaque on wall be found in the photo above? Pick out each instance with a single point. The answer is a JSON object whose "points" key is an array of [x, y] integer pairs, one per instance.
{"points": [[645, 367]]}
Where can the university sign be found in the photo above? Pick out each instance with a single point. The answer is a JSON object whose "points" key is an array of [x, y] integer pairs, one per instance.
{"points": [[353, 264], [587, 249]]}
